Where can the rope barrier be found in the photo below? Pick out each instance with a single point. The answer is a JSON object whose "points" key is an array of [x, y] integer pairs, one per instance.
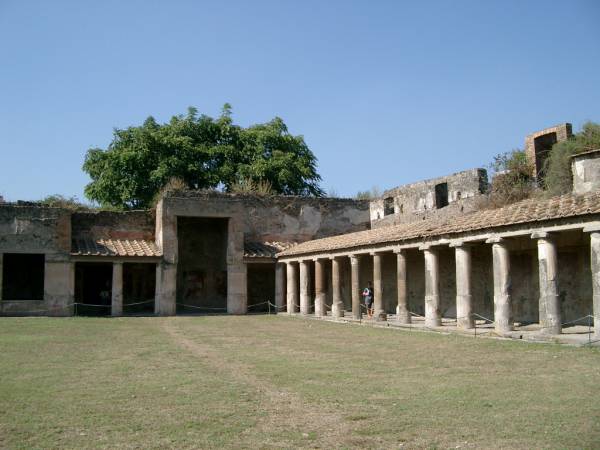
{"points": [[201, 307], [589, 316]]}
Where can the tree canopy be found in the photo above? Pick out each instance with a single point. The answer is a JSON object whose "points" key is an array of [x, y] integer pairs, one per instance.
{"points": [[203, 152]]}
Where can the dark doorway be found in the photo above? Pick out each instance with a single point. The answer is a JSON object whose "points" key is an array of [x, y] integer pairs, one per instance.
{"points": [[261, 286], [388, 206], [441, 195], [139, 283], [23, 276], [542, 145], [93, 289], [202, 265]]}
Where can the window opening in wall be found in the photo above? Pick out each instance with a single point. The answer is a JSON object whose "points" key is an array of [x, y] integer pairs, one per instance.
{"points": [[23, 276], [441, 195], [388, 206]]}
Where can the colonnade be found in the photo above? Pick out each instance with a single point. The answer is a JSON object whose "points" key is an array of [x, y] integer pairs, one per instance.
{"points": [[549, 300]]}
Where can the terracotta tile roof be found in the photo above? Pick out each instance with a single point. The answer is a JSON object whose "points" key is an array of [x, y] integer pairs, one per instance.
{"points": [[265, 249], [113, 247], [526, 211]]}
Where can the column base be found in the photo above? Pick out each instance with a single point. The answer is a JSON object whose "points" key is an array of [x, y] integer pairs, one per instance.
{"points": [[337, 310], [320, 305], [466, 323], [433, 322], [402, 315], [380, 316]]}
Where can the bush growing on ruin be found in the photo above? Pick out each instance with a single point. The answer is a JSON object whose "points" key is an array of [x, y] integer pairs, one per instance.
{"points": [[558, 165], [512, 179], [249, 186], [60, 201], [373, 193], [203, 152]]}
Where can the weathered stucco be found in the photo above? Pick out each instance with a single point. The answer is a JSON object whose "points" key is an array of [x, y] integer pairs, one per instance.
{"points": [[418, 201]]}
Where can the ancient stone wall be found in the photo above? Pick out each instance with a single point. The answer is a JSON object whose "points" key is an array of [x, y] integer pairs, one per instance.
{"points": [[539, 144], [34, 229], [115, 225], [585, 168], [439, 197], [37, 230]]}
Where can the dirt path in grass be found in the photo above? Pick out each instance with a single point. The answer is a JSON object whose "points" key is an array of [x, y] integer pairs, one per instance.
{"points": [[284, 411]]}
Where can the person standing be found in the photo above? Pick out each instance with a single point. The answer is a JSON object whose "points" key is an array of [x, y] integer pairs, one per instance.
{"points": [[367, 294]]}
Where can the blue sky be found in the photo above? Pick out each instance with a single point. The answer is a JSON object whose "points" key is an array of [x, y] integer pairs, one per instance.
{"points": [[384, 92]]}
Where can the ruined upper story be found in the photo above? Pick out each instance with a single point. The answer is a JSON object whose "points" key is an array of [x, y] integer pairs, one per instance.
{"points": [[268, 218], [444, 196]]}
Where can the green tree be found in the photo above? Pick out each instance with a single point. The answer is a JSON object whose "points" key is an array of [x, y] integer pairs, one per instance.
{"points": [[558, 165], [203, 152]]}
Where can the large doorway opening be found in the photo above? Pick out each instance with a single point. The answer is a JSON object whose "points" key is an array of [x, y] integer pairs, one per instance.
{"points": [[139, 284], [202, 265], [93, 289], [261, 287]]}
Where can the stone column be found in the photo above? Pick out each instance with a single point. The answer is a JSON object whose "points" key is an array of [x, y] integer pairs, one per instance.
{"points": [[402, 313], [292, 287], [59, 285], [157, 289], [320, 288], [304, 288], [337, 307], [279, 286], [464, 303], [355, 264], [117, 289], [595, 266], [166, 286], [378, 312], [502, 286], [433, 317], [550, 316]]}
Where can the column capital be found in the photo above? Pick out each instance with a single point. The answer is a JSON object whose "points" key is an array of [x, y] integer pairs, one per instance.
{"points": [[354, 259], [375, 253], [428, 248], [542, 235], [593, 227], [460, 243], [496, 240], [399, 250]]}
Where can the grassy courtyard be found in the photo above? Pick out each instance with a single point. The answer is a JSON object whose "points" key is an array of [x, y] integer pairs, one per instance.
{"points": [[272, 382]]}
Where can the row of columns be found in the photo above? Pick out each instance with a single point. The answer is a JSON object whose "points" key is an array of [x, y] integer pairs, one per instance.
{"points": [[549, 301]]}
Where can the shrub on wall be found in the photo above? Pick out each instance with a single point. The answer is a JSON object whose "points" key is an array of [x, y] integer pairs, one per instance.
{"points": [[558, 165], [512, 179]]}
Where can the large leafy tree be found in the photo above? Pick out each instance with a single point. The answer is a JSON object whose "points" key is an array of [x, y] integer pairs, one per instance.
{"points": [[203, 152]]}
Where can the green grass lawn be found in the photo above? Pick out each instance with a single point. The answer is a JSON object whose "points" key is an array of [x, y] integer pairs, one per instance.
{"points": [[273, 382]]}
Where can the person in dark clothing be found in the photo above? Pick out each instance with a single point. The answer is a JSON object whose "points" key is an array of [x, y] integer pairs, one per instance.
{"points": [[367, 294]]}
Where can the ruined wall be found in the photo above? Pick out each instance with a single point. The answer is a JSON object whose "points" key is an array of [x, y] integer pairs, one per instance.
{"points": [[34, 229], [439, 197], [29, 228], [539, 144], [282, 218], [585, 168], [112, 224]]}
